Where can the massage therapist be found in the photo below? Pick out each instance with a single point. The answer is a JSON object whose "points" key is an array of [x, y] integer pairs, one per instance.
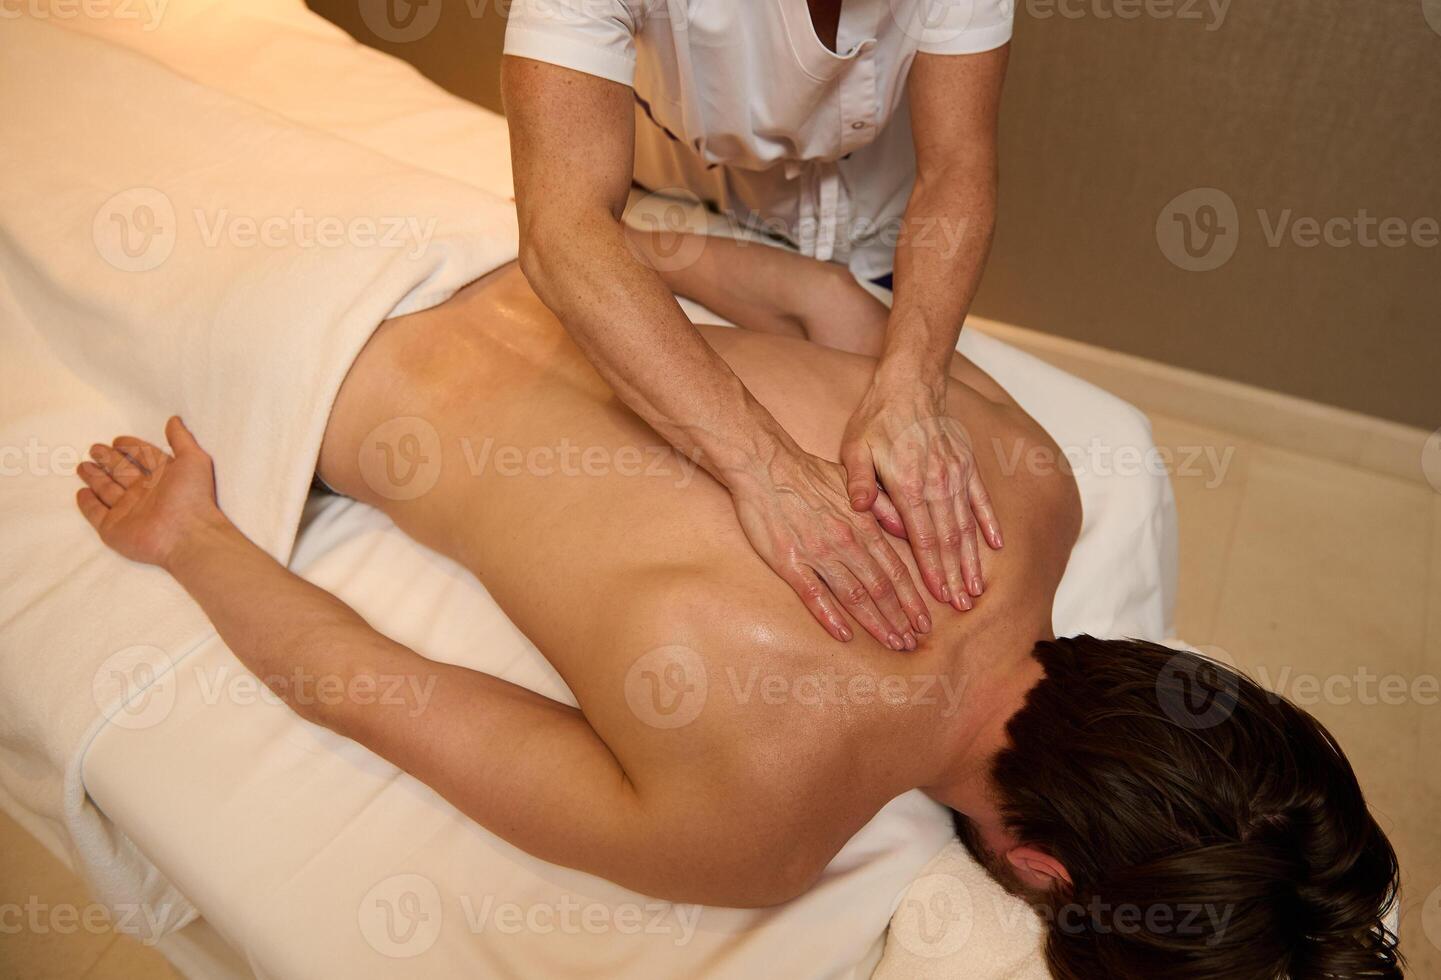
{"points": [[862, 132]]}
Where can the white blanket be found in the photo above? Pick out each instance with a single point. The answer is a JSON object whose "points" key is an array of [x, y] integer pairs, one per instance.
{"points": [[169, 248]]}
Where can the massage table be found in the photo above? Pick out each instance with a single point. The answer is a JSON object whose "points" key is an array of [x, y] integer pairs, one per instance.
{"points": [[209, 818]]}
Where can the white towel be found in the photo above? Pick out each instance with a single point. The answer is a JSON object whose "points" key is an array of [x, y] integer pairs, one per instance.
{"points": [[167, 248]]}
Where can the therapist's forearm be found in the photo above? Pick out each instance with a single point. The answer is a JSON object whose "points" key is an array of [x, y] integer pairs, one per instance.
{"points": [[629, 325], [949, 224]]}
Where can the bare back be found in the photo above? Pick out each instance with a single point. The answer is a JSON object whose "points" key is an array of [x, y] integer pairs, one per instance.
{"points": [[480, 428]]}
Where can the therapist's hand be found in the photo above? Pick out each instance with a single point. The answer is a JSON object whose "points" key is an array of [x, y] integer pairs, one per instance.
{"points": [[925, 462], [800, 521]]}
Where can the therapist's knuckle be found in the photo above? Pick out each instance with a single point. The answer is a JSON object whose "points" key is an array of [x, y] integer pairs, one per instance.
{"points": [[953, 537]]}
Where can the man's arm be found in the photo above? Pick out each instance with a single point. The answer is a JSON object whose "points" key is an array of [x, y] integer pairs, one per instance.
{"points": [[527, 768], [572, 143], [901, 431]]}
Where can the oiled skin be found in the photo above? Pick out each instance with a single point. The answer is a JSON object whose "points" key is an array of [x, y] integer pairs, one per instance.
{"points": [[599, 569]]}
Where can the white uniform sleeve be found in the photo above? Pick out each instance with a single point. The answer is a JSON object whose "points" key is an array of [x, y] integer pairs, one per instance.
{"points": [[593, 36], [965, 26]]}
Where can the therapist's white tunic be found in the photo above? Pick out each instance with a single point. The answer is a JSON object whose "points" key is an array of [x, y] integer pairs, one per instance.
{"points": [[739, 103]]}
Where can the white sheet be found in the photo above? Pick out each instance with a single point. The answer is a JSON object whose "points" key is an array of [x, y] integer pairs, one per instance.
{"points": [[288, 839]]}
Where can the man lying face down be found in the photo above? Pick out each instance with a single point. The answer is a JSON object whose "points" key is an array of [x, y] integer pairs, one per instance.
{"points": [[1167, 817]]}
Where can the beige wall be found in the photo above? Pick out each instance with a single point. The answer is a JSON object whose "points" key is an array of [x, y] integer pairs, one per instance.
{"points": [[1328, 109]]}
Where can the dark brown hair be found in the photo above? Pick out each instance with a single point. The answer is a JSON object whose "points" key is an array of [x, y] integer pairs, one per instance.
{"points": [[1210, 829]]}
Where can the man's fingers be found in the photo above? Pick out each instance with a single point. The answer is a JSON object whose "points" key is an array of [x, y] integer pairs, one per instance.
{"points": [[981, 506], [860, 475], [90, 506], [107, 490], [820, 602], [858, 601], [122, 467], [180, 438]]}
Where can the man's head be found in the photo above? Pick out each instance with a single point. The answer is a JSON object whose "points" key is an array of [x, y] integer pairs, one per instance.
{"points": [[1170, 818]]}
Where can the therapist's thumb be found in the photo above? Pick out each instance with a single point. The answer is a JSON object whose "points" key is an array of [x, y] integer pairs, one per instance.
{"points": [[860, 475]]}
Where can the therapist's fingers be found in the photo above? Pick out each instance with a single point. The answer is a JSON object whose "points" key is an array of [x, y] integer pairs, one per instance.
{"points": [[951, 534], [895, 594], [985, 513], [860, 468], [888, 516], [818, 599], [107, 490], [858, 601], [180, 437]]}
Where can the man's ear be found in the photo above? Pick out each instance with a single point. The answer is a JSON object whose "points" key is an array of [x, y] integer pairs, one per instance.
{"points": [[1038, 869]]}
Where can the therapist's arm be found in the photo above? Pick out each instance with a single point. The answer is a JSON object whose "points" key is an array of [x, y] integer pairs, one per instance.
{"points": [[901, 432], [573, 146]]}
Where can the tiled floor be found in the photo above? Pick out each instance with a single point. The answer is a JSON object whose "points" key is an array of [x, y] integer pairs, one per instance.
{"points": [[1313, 576]]}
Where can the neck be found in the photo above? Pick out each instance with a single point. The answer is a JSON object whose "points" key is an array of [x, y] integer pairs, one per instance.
{"points": [[994, 692]]}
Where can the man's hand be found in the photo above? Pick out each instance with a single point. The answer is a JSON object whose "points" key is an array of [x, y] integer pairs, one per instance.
{"points": [[144, 503], [926, 464], [835, 557]]}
